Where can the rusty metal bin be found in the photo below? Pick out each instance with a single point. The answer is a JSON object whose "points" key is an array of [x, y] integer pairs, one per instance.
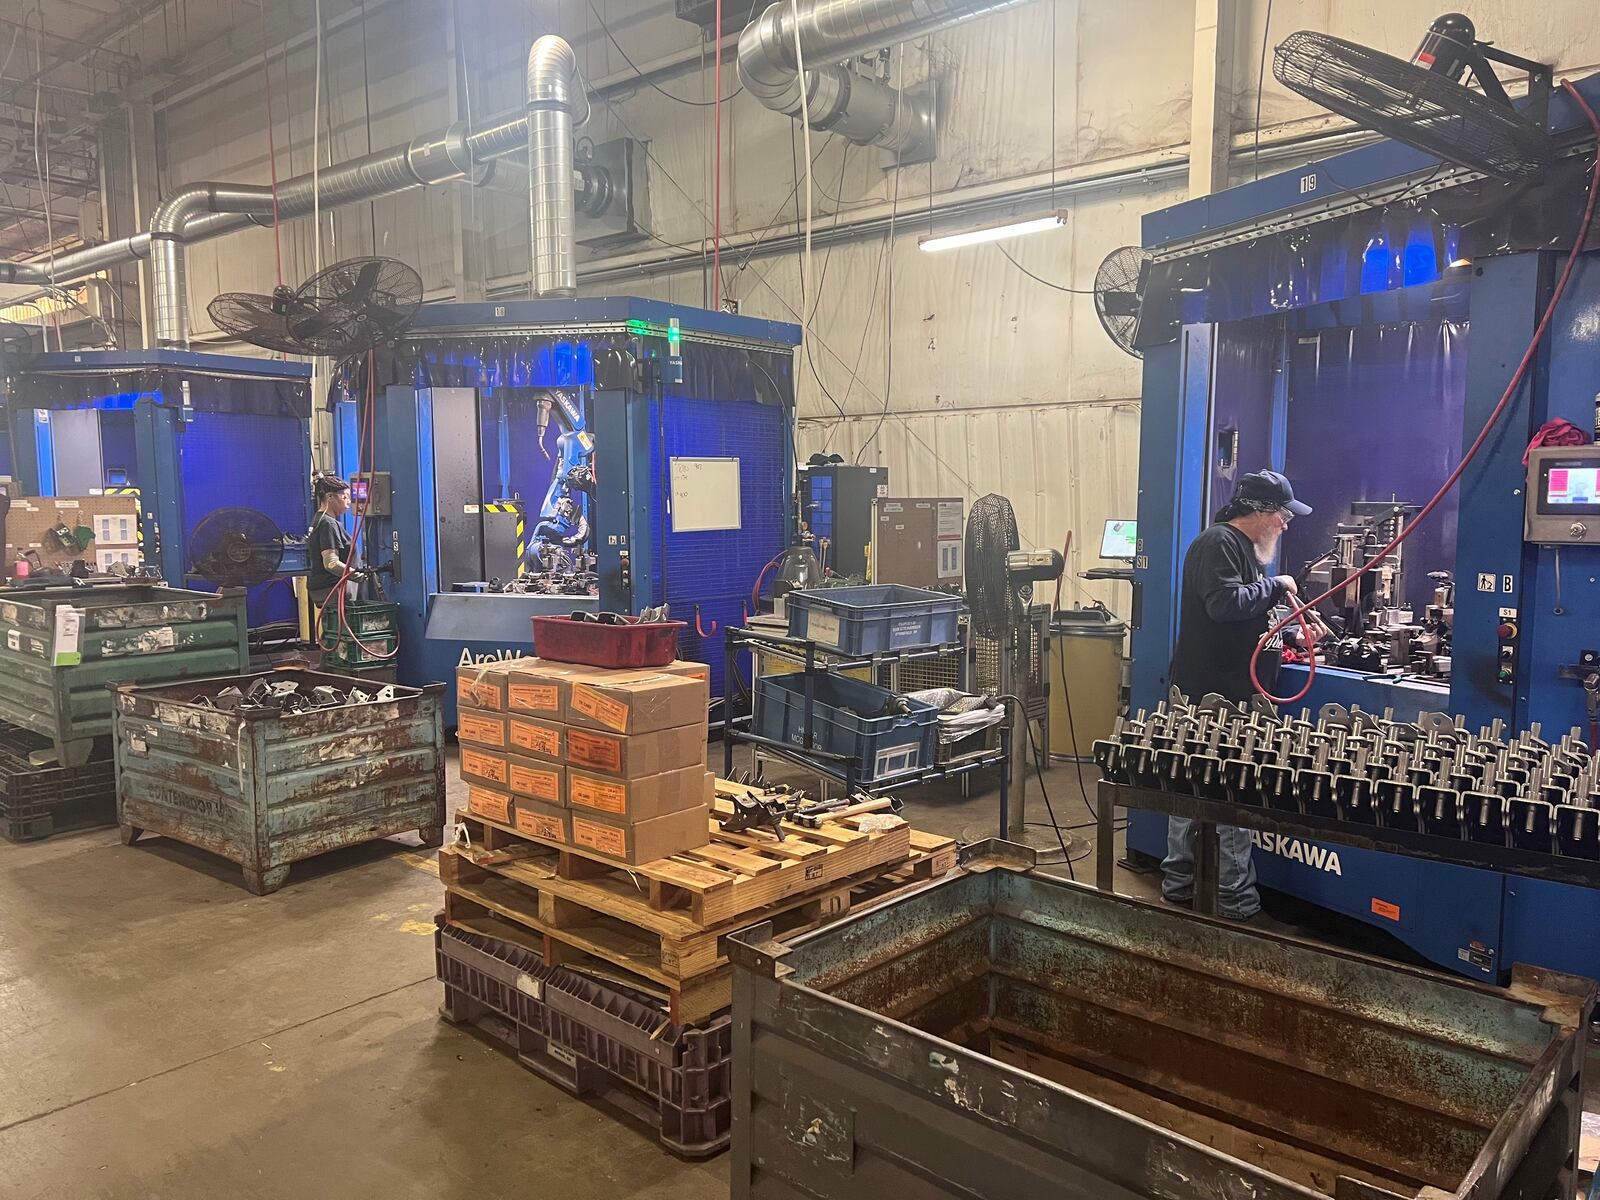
{"points": [[267, 789], [126, 633], [1008, 1035]]}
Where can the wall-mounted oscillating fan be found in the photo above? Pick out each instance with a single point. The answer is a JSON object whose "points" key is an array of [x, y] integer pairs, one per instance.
{"points": [[1119, 294], [1424, 102], [236, 547], [342, 310]]}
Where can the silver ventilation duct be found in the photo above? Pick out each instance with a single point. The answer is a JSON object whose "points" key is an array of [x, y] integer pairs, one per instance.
{"points": [[837, 99], [552, 80]]}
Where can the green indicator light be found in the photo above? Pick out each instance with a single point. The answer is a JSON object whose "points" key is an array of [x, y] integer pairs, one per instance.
{"points": [[674, 337]]}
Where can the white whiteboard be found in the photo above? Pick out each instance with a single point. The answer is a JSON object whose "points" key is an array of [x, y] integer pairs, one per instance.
{"points": [[705, 494]]}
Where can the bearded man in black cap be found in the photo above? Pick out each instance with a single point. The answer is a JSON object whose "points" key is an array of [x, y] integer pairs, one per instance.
{"points": [[1228, 603]]}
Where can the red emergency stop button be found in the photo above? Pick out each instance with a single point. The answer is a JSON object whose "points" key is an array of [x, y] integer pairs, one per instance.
{"points": [[1507, 631]]}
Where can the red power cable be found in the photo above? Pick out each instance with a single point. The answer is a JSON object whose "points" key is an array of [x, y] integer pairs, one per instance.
{"points": [[716, 169], [1472, 451]]}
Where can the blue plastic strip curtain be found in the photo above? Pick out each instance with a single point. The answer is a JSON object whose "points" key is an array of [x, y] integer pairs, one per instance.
{"points": [[114, 391], [1348, 261], [1241, 415], [1375, 413]]}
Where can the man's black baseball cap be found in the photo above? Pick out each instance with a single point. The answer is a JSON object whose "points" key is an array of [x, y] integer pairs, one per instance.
{"points": [[1268, 491]]}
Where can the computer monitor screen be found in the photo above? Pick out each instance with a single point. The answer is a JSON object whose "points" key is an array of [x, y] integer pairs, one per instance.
{"points": [[1570, 487], [1120, 540]]}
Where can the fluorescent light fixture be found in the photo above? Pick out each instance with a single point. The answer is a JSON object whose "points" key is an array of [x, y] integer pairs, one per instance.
{"points": [[1016, 227]]}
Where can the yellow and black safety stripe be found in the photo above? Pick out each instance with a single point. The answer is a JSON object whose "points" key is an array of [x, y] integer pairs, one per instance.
{"points": [[138, 517], [522, 530]]}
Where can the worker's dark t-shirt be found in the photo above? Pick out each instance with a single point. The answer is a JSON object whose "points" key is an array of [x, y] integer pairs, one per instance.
{"points": [[327, 533], [1226, 605]]}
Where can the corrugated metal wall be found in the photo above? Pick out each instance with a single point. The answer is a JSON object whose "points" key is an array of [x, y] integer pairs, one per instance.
{"points": [[995, 382]]}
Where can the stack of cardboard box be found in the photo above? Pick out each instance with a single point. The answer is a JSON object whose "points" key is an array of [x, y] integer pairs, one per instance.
{"points": [[611, 763]]}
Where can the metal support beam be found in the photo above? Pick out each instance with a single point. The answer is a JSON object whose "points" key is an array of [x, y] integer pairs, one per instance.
{"points": [[1211, 111], [466, 205]]}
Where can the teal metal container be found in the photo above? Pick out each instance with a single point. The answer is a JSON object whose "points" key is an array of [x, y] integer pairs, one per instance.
{"points": [[266, 789], [60, 649]]}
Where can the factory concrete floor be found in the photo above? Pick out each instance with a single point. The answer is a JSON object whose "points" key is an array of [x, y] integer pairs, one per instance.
{"points": [[163, 1033]]}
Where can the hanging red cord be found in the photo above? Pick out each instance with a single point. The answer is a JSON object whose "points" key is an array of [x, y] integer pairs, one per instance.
{"points": [[716, 168], [1472, 451], [272, 150]]}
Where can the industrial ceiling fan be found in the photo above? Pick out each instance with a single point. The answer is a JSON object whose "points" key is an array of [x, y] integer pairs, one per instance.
{"points": [[1119, 294], [342, 310], [236, 547], [1425, 103]]}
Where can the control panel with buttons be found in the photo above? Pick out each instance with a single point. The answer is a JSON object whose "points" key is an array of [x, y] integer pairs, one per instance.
{"points": [[1562, 505], [1506, 637]]}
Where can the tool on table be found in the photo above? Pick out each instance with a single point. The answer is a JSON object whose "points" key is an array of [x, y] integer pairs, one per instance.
{"points": [[752, 811], [815, 816]]}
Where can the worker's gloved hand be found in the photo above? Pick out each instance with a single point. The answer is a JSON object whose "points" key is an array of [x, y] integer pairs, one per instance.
{"points": [[1287, 583]]}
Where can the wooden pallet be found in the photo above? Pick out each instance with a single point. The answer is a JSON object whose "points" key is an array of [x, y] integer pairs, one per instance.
{"points": [[607, 923], [733, 874]]}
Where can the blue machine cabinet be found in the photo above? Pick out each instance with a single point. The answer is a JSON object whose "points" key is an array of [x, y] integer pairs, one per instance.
{"points": [[1351, 278], [188, 433], [478, 414]]}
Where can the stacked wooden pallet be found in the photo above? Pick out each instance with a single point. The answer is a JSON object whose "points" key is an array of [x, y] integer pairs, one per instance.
{"points": [[655, 928]]}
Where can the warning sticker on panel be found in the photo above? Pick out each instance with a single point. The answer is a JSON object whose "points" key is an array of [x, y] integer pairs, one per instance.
{"points": [[1382, 908]]}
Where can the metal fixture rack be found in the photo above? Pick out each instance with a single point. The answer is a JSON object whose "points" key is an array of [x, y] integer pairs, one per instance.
{"points": [[835, 767]]}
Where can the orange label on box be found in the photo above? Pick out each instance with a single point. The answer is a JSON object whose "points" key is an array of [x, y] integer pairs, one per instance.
{"points": [[485, 766], [613, 714], [491, 731], [597, 793], [541, 825], [484, 695], [1383, 908], [534, 697], [535, 782], [540, 739], [594, 750], [607, 839], [496, 806]]}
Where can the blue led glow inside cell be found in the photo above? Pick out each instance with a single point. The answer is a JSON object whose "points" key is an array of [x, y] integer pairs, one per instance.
{"points": [[1421, 261], [1375, 263]]}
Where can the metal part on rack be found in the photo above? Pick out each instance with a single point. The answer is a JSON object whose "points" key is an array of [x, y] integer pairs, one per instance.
{"points": [[1433, 776]]}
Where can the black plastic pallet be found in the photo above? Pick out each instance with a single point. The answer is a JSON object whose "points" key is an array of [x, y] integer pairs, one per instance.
{"points": [[591, 1039], [36, 802]]}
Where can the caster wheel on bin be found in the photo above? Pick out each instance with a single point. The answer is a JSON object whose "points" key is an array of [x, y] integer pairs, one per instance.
{"points": [[432, 836], [130, 834], [264, 883]]}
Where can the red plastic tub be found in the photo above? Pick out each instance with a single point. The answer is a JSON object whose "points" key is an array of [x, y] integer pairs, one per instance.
{"points": [[561, 639]]}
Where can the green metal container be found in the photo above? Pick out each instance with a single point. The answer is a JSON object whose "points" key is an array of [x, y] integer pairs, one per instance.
{"points": [[266, 788], [60, 648]]}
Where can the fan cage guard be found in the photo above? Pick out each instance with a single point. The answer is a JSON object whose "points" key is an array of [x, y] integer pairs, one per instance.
{"points": [[1411, 104]]}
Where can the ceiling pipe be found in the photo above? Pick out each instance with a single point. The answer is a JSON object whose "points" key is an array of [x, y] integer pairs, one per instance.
{"points": [[837, 99], [551, 83]]}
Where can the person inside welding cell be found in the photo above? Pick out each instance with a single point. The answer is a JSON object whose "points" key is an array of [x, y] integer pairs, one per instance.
{"points": [[1228, 603], [328, 545]]}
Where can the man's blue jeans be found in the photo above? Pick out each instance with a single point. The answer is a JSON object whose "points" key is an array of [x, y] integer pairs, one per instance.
{"points": [[1236, 870]]}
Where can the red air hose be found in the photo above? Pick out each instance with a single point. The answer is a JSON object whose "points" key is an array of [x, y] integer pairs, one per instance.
{"points": [[1472, 451]]}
